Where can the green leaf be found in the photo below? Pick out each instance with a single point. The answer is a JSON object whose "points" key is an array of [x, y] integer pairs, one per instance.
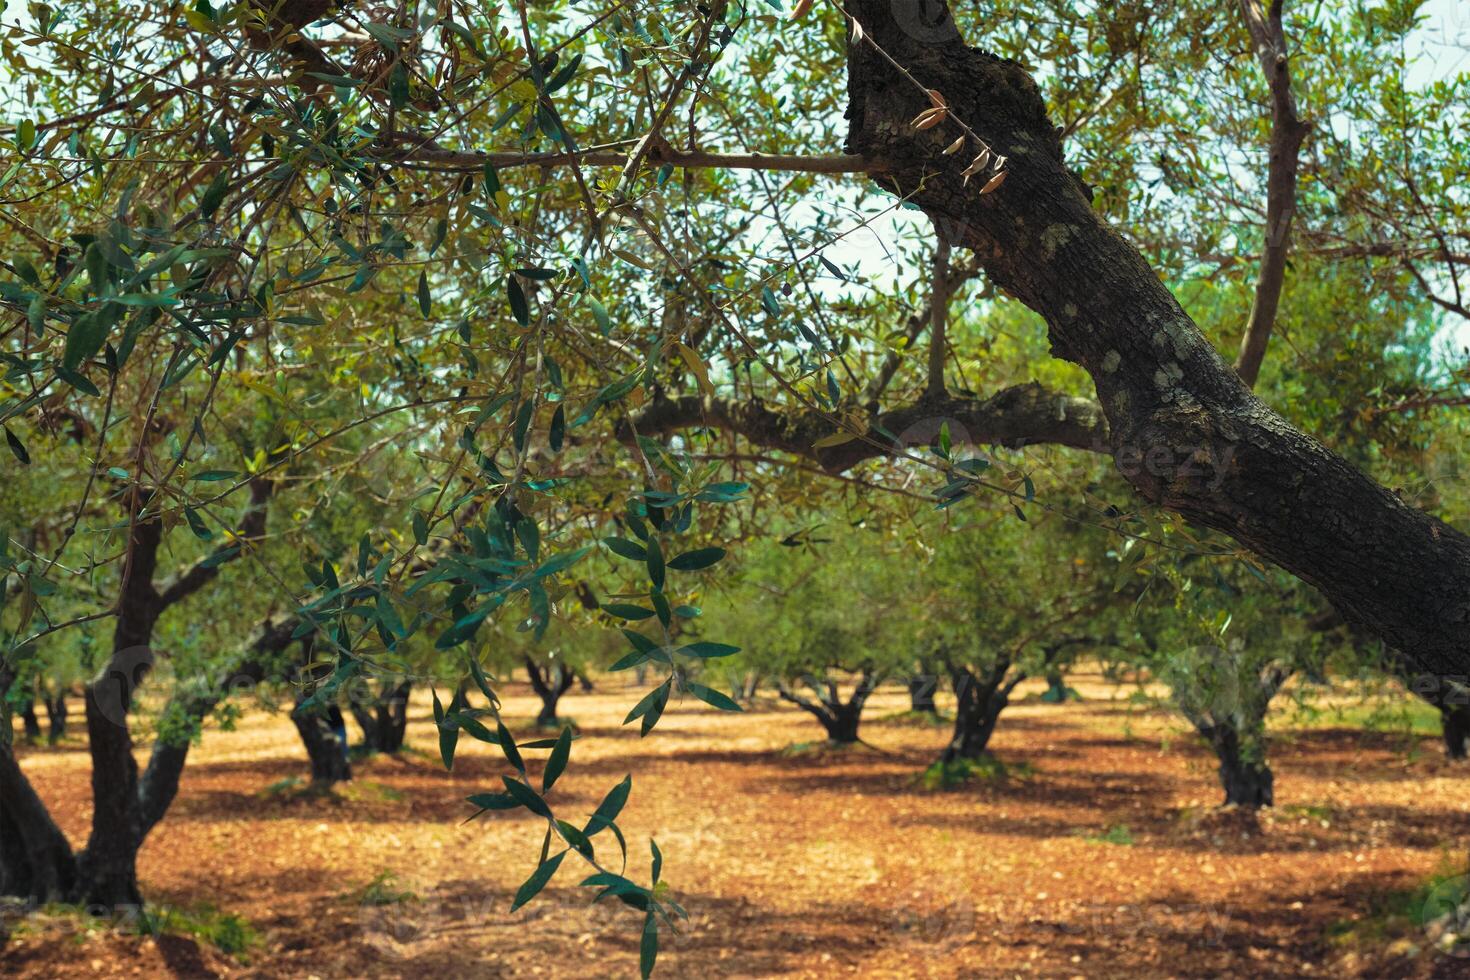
{"points": [[448, 734], [658, 859], [557, 763], [525, 795], [214, 476], [36, 313], [648, 946], [624, 610], [85, 338], [493, 801], [612, 804], [655, 564], [17, 447], [691, 561], [508, 746], [537, 881], [576, 838], [626, 548], [712, 697], [387, 35], [646, 703], [424, 293], [707, 651], [661, 606], [769, 301], [519, 308], [558, 432], [629, 660], [473, 725], [214, 194], [398, 90], [599, 313], [197, 525], [651, 708]]}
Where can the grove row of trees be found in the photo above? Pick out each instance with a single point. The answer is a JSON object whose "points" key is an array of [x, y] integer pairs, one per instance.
{"points": [[348, 343]]}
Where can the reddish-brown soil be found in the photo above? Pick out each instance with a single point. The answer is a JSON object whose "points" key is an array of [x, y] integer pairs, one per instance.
{"points": [[794, 864]]}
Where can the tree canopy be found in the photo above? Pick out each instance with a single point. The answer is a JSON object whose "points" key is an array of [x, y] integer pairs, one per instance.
{"points": [[435, 336]]}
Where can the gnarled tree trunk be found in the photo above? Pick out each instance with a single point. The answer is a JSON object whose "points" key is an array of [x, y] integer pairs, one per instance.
{"points": [[56, 717], [324, 734], [980, 697], [384, 722], [125, 806], [923, 685], [36, 861], [1456, 730], [29, 722], [840, 718], [1246, 782], [549, 683]]}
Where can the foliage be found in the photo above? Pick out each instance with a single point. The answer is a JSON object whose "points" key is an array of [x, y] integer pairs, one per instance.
{"points": [[429, 274]]}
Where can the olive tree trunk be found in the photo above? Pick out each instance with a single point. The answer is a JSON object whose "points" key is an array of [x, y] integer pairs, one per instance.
{"points": [[981, 696], [384, 721], [549, 683], [839, 718]]}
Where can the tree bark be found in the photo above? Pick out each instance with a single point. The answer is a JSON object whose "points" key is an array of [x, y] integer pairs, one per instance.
{"points": [[1247, 783], [56, 717], [549, 683], [1287, 133], [29, 722], [980, 699], [1184, 429], [840, 719], [384, 722], [325, 737], [36, 861], [922, 688], [1456, 730]]}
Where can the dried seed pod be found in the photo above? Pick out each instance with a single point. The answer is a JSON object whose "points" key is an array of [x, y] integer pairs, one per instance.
{"points": [[937, 99], [976, 165], [857, 31], [802, 6], [994, 182], [955, 147], [929, 118]]}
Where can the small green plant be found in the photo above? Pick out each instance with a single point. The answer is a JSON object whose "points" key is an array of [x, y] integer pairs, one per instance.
{"points": [[384, 889], [225, 931], [283, 787], [1308, 811], [957, 772], [1117, 834]]}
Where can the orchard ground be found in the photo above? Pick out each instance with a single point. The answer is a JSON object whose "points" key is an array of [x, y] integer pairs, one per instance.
{"points": [[1106, 857]]}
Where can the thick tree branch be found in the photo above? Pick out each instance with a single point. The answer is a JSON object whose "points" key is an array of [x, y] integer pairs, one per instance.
{"points": [[1024, 415], [1287, 133], [1203, 445]]}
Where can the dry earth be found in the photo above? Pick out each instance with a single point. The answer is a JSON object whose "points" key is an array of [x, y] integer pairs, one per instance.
{"points": [[1107, 860]]}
